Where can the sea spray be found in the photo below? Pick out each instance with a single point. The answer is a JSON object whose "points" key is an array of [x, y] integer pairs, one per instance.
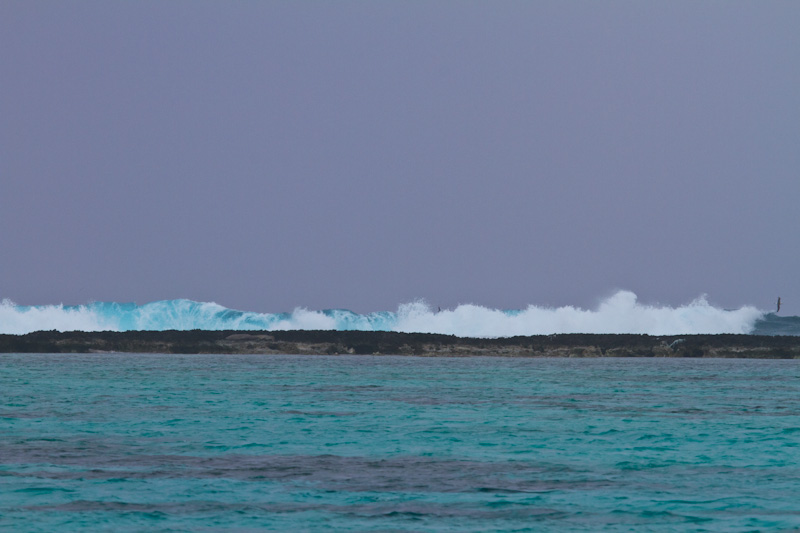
{"points": [[620, 313]]}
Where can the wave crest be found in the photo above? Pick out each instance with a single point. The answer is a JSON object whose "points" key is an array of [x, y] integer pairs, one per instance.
{"points": [[620, 313]]}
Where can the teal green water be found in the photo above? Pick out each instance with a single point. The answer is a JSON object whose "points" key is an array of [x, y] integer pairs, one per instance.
{"points": [[307, 443]]}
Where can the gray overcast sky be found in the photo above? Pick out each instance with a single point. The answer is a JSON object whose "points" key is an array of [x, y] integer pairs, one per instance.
{"points": [[266, 155]]}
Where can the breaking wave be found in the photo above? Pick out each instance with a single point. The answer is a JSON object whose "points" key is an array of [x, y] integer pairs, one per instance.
{"points": [[620, 313]]}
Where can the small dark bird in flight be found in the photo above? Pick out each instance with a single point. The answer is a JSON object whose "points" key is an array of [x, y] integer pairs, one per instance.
{"points": [[779, 305]]}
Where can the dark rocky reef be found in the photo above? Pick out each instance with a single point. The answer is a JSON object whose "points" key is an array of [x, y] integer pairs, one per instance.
{"points": [[391, 343]]}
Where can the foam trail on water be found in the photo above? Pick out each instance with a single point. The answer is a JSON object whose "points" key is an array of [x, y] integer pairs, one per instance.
{"points": [[621, 313]]}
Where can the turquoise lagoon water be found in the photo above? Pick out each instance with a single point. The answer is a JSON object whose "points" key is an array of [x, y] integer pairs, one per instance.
{"points": [[307, 443]]}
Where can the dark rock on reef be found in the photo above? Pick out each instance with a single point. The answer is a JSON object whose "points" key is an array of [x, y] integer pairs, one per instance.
{"points": [[391, 343]]}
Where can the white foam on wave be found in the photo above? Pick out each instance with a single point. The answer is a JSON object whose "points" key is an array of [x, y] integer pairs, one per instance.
{"points": [[18, 320], [620, 313], [302, 318]]}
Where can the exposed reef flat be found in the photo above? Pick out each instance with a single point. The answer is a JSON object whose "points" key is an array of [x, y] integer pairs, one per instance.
{"points": [[391, 343]]}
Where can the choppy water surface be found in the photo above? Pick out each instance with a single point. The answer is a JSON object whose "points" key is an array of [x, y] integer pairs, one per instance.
{"points": [[166, 442]]}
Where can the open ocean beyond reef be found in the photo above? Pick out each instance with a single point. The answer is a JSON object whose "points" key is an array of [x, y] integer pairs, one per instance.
{"points": [[131, 442]]}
